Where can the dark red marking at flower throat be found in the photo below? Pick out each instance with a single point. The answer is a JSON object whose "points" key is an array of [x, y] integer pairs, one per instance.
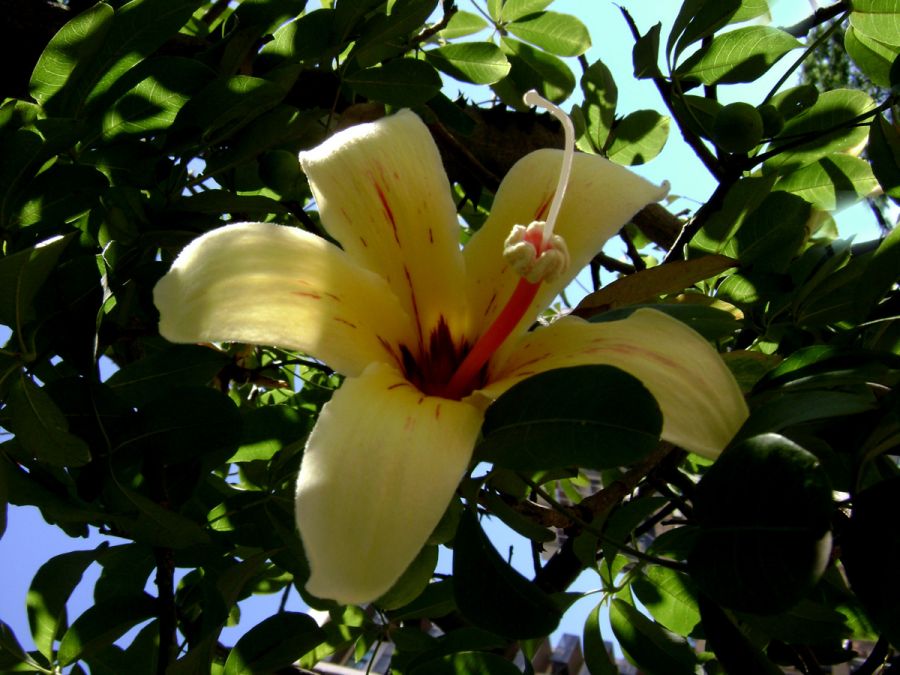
{"points": [[431, 371]]}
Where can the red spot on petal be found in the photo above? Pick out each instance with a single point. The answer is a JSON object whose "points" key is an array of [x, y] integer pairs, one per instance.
{"points": [[362, 240], [437, 411], [430, 236]]}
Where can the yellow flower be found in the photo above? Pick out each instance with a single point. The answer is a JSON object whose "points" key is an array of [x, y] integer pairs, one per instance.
{"points": [[427, 334]]}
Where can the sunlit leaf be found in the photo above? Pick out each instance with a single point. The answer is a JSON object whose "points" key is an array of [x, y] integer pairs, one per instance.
{"points": [[873, 57], [49, 592], [639, 137], [741, 55], [102, 624], [647, 644], [476, 62], [560, 34], [828, 126], [275, 642], [463, 23], [832, 182]]}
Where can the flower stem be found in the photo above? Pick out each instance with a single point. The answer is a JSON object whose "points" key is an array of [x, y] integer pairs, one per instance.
{"points": [[463, 380]]}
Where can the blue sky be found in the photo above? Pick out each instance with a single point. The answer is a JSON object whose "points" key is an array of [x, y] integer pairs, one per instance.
{"points": [[28, 541]]}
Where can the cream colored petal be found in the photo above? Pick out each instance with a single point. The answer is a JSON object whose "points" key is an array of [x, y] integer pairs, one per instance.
{"points": [[383, 194], [600, 199], [701, 403], [273, 285], [379, 470]]}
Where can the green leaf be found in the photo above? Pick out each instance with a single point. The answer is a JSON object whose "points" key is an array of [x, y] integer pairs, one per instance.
{"points": [[152, 105], [22, 275], [513, 10], [103, 624], [386, 35], [274, 643], [114, 45], [732, 648], [645, 54], [494, 7], [266, 430], [869, 551], [491, 594], [600, 98], [560, 34], [807, 622], [22, 151], [515, 520], [873, 57], [462, 24], [648, 645], [152, 377], [764, 511], [696, 20], [590, 416], [741, 55], [531, 68], [224, 106], [880, 274], [475, 62], [403, 82], [830, 183], [639, 137], [61, 193], [787, 409], [412, 582], [884, 154], [669, 596], [470, 663], [11, 652], [770, 237], [68, 54], [827, 125], [49, 592], [147, 522], [791, 102], [751, 9], [596, 657], [877, 19], [187, 423], [742, 199], [307, 38], [40, 426]]}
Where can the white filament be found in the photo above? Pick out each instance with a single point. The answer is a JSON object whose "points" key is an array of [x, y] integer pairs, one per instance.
{"points": [[535, 100]]}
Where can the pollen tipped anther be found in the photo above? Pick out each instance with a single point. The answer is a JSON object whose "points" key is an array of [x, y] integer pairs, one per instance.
{"points": [[527, 253]]}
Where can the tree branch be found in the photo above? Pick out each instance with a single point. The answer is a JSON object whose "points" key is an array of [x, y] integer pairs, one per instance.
{"points": [[819, 17]]}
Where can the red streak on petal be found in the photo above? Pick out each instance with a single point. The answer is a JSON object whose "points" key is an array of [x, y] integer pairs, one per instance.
{"points": [[544, 207], [437, 411], [305, 294], [345, 322], [388, 212], [465, 378], [398, 385]]}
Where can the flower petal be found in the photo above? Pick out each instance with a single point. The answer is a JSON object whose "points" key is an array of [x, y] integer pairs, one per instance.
{"points": [[383, 194], [378, 472], [701, 403], [600, 198], [272, 285]]}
